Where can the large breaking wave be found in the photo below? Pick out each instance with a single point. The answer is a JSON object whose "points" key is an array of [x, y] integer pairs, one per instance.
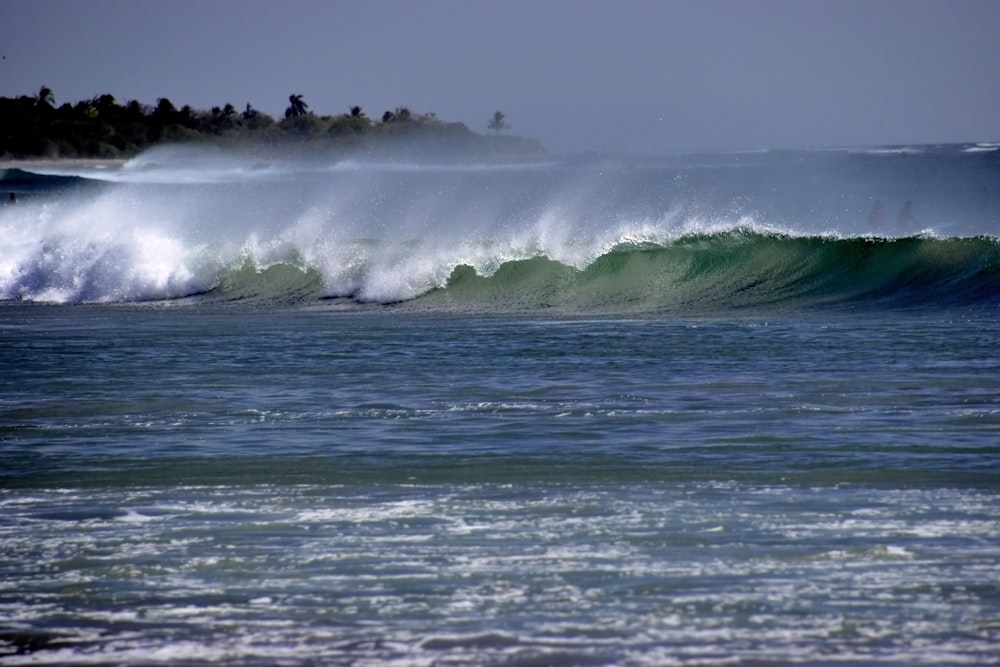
{"points": [[580, 236], [740, 268]]}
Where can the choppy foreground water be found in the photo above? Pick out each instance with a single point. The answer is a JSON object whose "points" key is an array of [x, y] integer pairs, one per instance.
{"points": [[248, 487]]}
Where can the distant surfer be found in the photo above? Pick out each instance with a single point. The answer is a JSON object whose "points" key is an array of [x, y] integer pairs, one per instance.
{"points": [[13, 198]]}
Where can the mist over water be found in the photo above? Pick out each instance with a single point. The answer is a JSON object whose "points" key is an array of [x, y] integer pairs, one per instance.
{"points": [[180, 221]]}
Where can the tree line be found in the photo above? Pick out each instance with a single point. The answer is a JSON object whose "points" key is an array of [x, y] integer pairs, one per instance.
{"points": [[33, 126]]}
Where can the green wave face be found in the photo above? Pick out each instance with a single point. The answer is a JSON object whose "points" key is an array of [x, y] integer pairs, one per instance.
{"points": [[741, 269], [279, 283]]}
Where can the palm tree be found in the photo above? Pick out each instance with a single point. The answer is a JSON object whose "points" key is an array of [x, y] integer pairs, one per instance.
{"points": [[296, 107], [249, 112], [498, 122], [356, 112]]}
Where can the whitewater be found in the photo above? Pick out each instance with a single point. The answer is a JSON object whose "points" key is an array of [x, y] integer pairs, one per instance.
{"points": [[582, 234], [267, 407]]}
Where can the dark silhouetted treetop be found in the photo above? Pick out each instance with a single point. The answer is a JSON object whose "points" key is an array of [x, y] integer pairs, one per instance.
{"points": [[498, 122], [296, 107], [45, 97], [400, 115], [32, 127], [165, 111]]}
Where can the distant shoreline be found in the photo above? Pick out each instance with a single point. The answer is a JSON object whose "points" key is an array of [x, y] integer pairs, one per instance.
{"points": [[34, 128]]}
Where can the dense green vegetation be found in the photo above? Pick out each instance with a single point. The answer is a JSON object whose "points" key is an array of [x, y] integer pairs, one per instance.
{"points": [[32, 126]]}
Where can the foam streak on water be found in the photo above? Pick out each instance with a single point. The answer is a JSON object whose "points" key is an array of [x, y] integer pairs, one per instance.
{"points": [[671, 573]]}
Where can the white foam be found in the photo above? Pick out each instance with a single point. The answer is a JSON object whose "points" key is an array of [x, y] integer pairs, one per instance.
{"points": [[986, 147], [368, 235]]}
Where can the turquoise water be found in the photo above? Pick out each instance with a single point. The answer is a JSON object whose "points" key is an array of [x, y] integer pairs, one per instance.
{"points": [[694, 440]]}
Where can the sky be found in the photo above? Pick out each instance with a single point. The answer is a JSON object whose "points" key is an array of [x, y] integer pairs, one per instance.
{"points": [[578, 75]]}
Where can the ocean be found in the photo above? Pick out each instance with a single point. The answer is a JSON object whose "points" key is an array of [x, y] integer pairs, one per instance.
{"points": [[724, 409]]}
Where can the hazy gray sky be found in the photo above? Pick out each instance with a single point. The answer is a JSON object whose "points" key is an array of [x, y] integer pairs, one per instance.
{"points": [[651, 75]]}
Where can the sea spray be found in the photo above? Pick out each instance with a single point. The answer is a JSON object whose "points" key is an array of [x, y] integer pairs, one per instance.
{"points": [[97, 248], [182, 221]]}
